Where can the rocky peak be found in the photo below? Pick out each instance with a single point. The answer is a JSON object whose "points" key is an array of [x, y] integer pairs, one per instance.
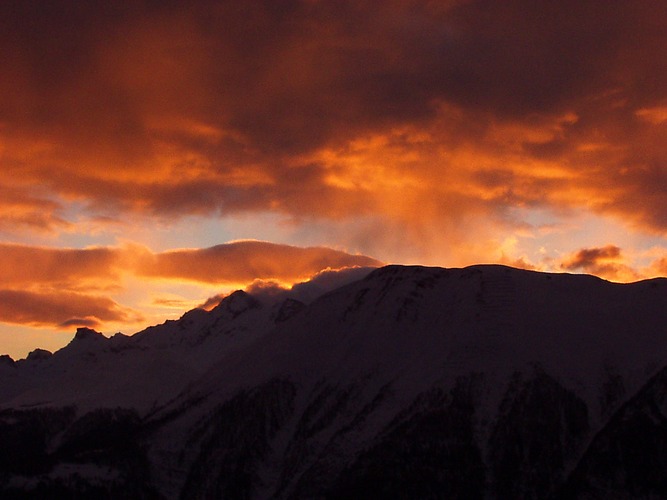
{"points": [[39, 355], [236, 304], [83, 333], [6, 360]]}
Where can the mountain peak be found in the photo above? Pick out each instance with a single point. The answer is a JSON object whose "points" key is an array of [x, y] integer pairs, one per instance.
{"points": [[83, 333], [342, 395], [236, 303], [39, 355], [6, 360]]}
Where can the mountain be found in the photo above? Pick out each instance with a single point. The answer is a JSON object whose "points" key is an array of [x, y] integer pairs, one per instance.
{"points": [[412, 382]]}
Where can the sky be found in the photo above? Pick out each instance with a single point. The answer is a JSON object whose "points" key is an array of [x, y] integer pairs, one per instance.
{"points": [[155, 154]]}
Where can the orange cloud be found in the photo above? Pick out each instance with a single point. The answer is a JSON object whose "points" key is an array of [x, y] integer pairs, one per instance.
{"points": [[432, 122], [61, 309], [245, 261], [23, 265], [234, 262], [148, 110], [60, 287], [21, 210], [655, 115], [659, 267]]}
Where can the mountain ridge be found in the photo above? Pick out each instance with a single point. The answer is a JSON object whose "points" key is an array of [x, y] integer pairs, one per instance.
{"points": [[448, 369]]}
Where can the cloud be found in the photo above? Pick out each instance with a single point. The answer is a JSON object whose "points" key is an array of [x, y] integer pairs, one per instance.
{"points": [[656, 115], [235, 262], [326, 281], [607, 262], [306, 291], [25, 265], [24, 211], [659, 267], [61, 309], [428, 121], [212, 89], [87, 322], [244, 261], [63, 287], [589, 257]]}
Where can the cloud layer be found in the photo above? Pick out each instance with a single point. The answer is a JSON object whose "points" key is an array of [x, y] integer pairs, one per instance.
{"points": [[244, 261], [422, 116], [61, 309], [62, 288]]}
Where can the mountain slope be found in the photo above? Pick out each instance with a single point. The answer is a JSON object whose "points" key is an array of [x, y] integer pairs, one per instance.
{"points": [[412, 382]]}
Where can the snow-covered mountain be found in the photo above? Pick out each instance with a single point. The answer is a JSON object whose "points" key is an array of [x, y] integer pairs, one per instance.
{"points": [[413, 382]]}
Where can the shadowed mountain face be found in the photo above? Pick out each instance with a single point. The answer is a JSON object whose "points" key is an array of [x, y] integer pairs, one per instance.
{"points": [[483, 382]]}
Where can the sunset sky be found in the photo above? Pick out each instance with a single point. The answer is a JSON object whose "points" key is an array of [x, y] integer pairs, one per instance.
{"points": [[154, 154]]}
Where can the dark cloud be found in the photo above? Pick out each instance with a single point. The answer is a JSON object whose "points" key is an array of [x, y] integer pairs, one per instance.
{"points": [[86, 322], [607, 262], [588, 257]]}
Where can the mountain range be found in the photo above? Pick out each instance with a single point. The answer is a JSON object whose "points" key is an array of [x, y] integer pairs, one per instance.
{"points": [[406, 382]]}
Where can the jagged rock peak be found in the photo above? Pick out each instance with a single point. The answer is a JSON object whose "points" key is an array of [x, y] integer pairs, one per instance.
{"points": [[119, 339], [83, 333], [39, 355], [237, 303], [6, 360]]}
